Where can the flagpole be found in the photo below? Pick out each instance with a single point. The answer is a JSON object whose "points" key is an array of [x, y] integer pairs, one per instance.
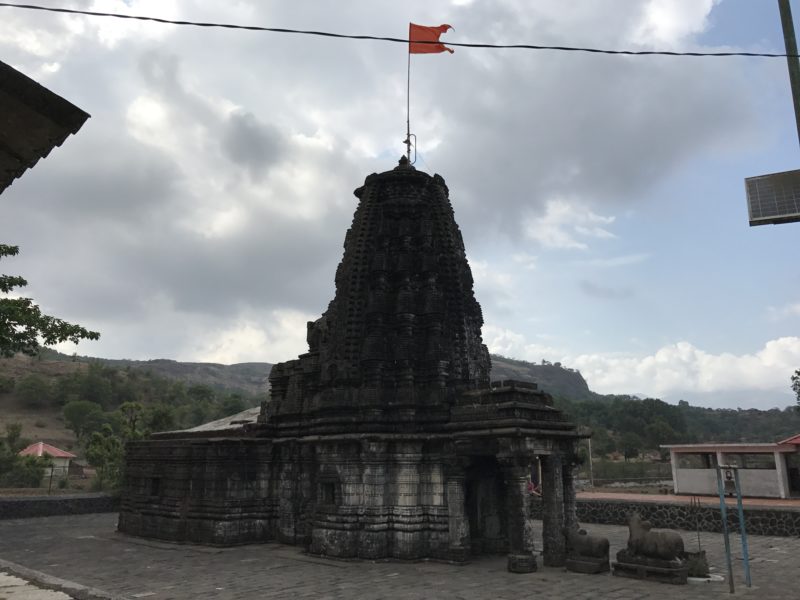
{"points": [[408, 106]]}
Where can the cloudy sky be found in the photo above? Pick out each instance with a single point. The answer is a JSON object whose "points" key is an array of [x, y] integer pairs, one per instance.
{"points": [[200, 213]]}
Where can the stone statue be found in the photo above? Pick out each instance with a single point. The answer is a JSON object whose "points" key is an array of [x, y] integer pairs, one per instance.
{"points": [[651, 554], [643, 541], [586, 553]]}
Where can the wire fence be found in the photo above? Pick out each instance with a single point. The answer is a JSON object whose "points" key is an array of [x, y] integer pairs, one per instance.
{"points": [[606, 472]]}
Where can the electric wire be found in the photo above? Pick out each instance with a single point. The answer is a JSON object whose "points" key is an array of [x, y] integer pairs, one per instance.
{"points": [[392, 39]]}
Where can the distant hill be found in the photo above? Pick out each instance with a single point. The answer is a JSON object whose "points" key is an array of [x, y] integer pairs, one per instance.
{"points": [[247, 377], [559, 381], [252, 377], [650, 421]]}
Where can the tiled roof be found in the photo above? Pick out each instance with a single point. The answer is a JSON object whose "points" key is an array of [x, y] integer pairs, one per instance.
{"points": [[33, 120], [795, 439], [42, 449]]}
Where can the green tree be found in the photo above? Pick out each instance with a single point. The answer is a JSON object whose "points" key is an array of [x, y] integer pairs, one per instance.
{"points": [[602, 443], [23, 327], [659, 432], [81, 415], [232, 404], [97, 386], [105, 452], [14, 437], [23, 471], [131, 413], [201, 392], [159, 417], [630, 444], [34, 390], [15, 470]]}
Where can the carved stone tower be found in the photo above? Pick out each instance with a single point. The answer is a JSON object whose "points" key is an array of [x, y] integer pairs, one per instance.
{"points": [[402, 335]]}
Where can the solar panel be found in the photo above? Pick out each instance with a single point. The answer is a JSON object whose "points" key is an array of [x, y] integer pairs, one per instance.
{"points": [[773, 198]]}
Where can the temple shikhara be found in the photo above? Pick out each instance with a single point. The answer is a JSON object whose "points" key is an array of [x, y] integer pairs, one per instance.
{"points": [[386, 439]]}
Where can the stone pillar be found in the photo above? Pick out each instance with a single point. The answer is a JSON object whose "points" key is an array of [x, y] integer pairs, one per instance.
{"points": [[570, 504], [782, 474], [673, 461], [553, 541], [457, 520], [521, 558]]}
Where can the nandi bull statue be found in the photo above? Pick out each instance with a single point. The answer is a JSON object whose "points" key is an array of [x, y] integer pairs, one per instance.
{"points": [[651, 554], [586, 553]]}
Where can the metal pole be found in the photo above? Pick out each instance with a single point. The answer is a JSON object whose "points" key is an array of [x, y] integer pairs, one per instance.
{"points": [[742, 530], [591, 468], [408, 106], [724, 513], [792, 61]]}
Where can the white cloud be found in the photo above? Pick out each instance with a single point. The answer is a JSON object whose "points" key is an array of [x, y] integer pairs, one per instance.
{"points": [[484, 275], [279, 336], [525, 260], [110, 31], [614, 261], [787, 311], [567, 225], [683, 368], [667, 23], [514, 345]]}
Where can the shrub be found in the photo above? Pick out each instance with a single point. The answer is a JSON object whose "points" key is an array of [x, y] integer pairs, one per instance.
{"points": [[25, 472], [6, 384], [34, 391]]}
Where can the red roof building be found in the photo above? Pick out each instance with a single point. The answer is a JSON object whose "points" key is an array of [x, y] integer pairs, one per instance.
{"points": [[795, 439], [42, 449]]}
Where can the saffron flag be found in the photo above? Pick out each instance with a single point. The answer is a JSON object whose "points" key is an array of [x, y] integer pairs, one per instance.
{"points": [[422, 33]]}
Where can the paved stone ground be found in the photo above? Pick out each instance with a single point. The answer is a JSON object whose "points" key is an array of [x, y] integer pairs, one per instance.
{"points": [[14, 588], [85, 549]]}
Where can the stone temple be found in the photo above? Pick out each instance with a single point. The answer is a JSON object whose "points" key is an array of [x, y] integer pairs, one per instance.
{"points": [[386, 439]]}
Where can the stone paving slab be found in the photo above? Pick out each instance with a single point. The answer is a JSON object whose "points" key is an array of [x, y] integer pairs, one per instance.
{"points": [[87, 550], [15, 588]]}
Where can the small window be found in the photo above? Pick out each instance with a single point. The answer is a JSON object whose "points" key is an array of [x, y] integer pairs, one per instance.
{"points": [[155, 486], [704, 460], [753, 460], [328, 492]]}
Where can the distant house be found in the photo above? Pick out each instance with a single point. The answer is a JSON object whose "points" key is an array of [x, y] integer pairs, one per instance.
{"points": [[59, 458], [765, 470]]}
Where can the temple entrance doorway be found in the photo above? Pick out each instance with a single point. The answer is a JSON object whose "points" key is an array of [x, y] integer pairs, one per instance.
{"points": [[486, 507]]}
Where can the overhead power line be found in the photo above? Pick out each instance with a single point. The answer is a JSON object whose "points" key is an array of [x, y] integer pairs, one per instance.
{"points": [[388, 39]]}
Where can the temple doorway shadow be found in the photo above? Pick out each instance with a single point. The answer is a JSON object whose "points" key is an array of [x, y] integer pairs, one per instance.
{"points": [[486, 506]]}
